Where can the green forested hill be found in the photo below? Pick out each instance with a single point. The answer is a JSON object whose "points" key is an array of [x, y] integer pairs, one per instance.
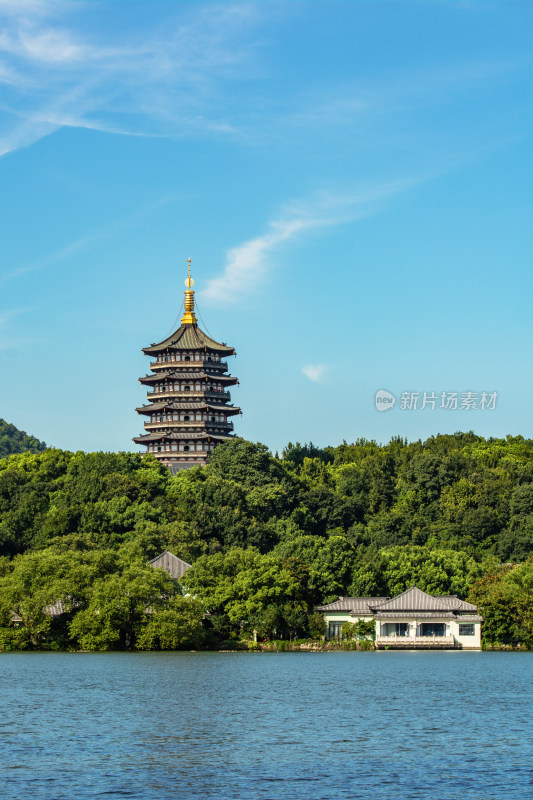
{"points": [[14, 441], [269, 538]]}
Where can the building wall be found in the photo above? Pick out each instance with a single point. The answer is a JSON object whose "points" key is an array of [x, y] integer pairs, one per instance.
{"points": [[344, 616], [468, 642]]}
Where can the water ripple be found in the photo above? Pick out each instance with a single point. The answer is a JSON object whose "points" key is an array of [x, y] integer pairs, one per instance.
{"points": [[287, 726]]}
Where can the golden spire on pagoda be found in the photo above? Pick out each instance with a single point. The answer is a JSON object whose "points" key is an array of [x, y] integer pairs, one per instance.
{"points": [[189, 317]]}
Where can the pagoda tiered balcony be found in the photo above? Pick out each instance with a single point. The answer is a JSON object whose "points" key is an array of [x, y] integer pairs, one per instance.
{"points": [[197, 425], [216, 395], [221, 366], [200, 393]]}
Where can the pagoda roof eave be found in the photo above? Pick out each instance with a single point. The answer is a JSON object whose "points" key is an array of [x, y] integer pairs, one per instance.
{"points": [[187, 407], [179, 436], [187, 376], [189, 337]]}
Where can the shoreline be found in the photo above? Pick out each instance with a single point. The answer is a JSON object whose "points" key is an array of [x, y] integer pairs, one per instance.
{"points": [[272, 648]]}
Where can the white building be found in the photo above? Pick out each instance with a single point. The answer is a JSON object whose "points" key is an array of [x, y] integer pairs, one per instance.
{"points": [[413, 619]]}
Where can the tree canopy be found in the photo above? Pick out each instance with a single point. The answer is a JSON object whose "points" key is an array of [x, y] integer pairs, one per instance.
{"points": [[269, 538], [13, 440]]}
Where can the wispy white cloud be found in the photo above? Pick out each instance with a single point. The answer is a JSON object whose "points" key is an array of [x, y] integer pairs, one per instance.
{"points": [[248, 264], [48, 46], [180, 76], [315, 372], [59, 72], [361, 108]]}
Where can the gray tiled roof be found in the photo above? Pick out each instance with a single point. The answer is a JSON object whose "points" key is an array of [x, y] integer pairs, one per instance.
{"points": [[176, 567], [354, 604], [418, 614], [454, 603], [414, 599], [189, 337]]}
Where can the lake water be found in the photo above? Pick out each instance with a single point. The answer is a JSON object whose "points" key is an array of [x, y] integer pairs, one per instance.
{"points": [[287, 726]]}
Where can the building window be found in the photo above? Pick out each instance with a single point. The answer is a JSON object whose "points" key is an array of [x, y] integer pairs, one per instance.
{"points": [[187, 358], [186, 417], [186, 447], [395, 629], [466, 629], [432, 629], [187, 388], [334, 630]]}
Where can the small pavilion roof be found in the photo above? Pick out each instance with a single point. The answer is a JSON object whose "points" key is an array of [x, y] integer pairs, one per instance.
{"points": [[189, 337], [176, 567]]}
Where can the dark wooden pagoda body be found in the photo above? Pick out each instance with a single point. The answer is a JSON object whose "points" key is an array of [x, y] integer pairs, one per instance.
{"points": [[189, 408]]}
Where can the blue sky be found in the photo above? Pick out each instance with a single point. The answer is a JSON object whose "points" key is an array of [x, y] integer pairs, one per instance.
{"points": [[352, 181]]}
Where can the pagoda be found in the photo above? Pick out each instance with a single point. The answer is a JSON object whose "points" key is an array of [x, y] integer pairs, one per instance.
{"points": [[189, 409]]}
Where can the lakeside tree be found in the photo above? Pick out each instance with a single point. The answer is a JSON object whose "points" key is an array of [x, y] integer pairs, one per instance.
{"points": [[504, 596]]}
